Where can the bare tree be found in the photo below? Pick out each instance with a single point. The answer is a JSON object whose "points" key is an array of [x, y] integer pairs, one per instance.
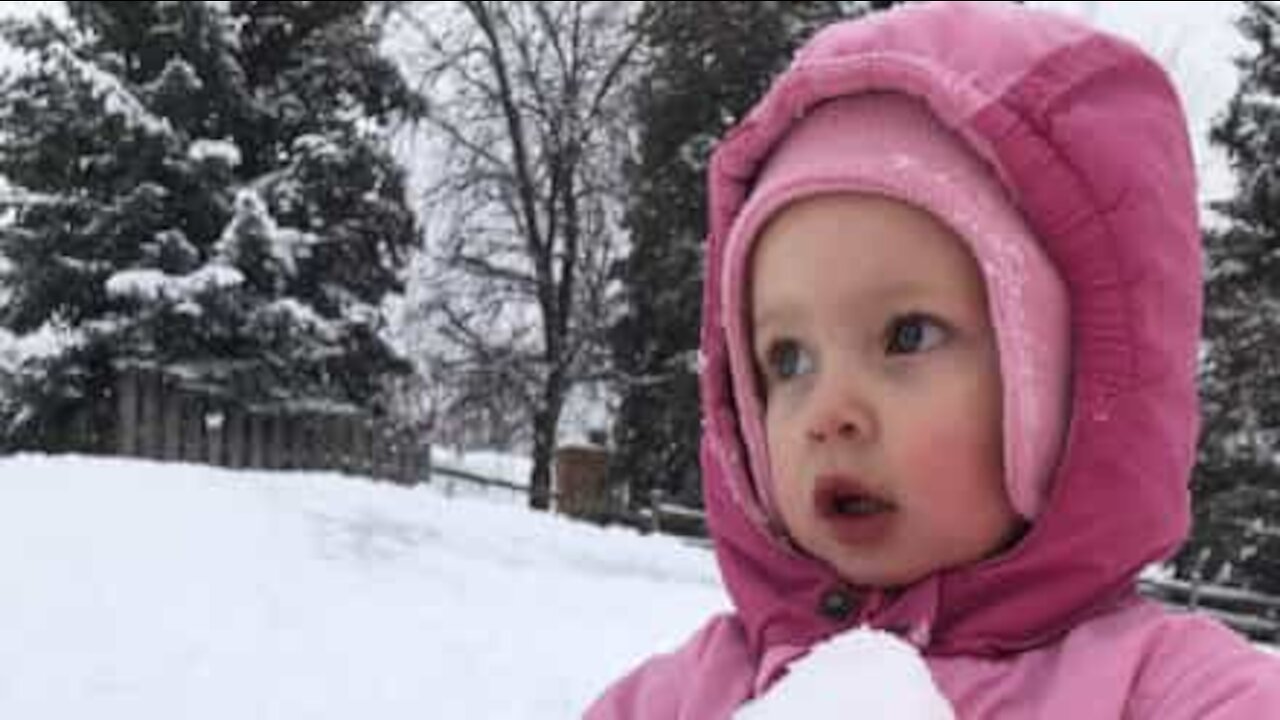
{"points": [[526, 110]]}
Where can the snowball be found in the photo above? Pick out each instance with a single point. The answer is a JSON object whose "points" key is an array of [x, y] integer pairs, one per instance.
{"points": [[863, 673]]}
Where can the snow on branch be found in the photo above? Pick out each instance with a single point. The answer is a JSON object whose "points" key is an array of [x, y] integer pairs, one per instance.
{"points": [[119, 100], [222, 150], [153, 285]]}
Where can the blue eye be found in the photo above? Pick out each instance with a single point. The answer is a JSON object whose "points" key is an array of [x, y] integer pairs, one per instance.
{"points": [[786, 359], [913, 333]]}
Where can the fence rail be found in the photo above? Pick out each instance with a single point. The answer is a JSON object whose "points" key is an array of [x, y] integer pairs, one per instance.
{"points": [[158, 418], [1255, 615], [477, 479], [1252, 614]]}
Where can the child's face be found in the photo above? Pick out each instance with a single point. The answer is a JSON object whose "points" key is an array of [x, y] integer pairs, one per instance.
{"points": [[878, 365]]}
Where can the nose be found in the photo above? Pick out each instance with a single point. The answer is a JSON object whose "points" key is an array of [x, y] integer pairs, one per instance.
{"points": [[839, 412]]}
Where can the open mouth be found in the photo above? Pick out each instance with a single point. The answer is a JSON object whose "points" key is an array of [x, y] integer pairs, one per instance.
{"points": [[855, 514], [855, 505], [840, 496]]}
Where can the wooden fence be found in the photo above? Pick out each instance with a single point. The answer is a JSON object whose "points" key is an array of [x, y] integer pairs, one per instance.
{"points": [[1253, 614], [454, 481], [158, 417]]}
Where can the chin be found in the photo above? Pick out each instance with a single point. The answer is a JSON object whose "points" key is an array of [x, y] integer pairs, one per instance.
{"points": [[886, 579]]}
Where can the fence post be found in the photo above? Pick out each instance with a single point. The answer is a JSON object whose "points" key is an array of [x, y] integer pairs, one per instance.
{"points": [[316, 454], [404, 444], [395, 457], [298, 445], [127, 412], [280, 442], [340, 431], [360, 451], [320, 447], [345, 430], [389, 449], [301, 445], [579, 482], [297, 435], [390, 464], [80, 437], [276, 441], [317, 448], [295, 440], [233, 437], [172, 404], [655, 508], [214, 423], [264, 440], [152, 445], [252, 440], [192, 414], [407, 457], [377, 450]]}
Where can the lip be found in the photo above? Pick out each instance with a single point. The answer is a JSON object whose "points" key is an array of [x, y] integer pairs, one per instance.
{"points": [[831, 490]]}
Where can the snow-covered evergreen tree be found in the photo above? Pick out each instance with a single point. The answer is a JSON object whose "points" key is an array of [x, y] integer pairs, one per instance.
{"points": [[1237, 484], [205, 189]]}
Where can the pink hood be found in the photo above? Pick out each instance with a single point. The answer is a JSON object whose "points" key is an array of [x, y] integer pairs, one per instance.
{"points": [[1087, 134]]}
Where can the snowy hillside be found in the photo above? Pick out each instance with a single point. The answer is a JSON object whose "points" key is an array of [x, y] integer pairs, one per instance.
{"points": [[135, 590]]}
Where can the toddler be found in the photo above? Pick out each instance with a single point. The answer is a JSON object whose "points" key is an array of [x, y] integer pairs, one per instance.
{"points": [[950, 330]]}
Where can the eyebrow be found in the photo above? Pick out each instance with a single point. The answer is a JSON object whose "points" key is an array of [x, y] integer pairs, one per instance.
{"points": [[778, 313], [783, 311]]}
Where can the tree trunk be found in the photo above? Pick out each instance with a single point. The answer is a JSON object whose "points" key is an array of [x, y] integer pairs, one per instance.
{"points": [[545, 423]]}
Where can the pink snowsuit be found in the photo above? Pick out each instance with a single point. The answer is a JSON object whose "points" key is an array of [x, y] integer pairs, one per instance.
{"points": [[1088, 136]]}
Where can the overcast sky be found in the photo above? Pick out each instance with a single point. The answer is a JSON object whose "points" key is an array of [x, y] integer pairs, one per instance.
{"points": [[1194, 40]]}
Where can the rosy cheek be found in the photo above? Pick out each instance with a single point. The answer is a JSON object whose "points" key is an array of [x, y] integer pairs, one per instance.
{"points": [[785, 468], [952, 460]]}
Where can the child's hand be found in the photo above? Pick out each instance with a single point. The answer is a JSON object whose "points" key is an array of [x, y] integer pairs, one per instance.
{"points": [[861, 673]]}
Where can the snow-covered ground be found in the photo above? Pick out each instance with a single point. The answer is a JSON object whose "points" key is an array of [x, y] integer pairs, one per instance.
{"points": [[136, 590], [513, 469]]}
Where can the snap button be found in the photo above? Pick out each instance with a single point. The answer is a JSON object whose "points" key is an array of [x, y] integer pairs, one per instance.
{"points": [[837, 604]]}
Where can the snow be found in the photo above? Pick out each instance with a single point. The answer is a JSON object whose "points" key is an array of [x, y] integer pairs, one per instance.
{"points": [[177, 71], [301, 315], [12, 57], [512, 469], [873, 671], [285, 245], [118, 99], [140, 590], [224, 151], [317, 146], [152, 285], [47, 341], [11, 196]]}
